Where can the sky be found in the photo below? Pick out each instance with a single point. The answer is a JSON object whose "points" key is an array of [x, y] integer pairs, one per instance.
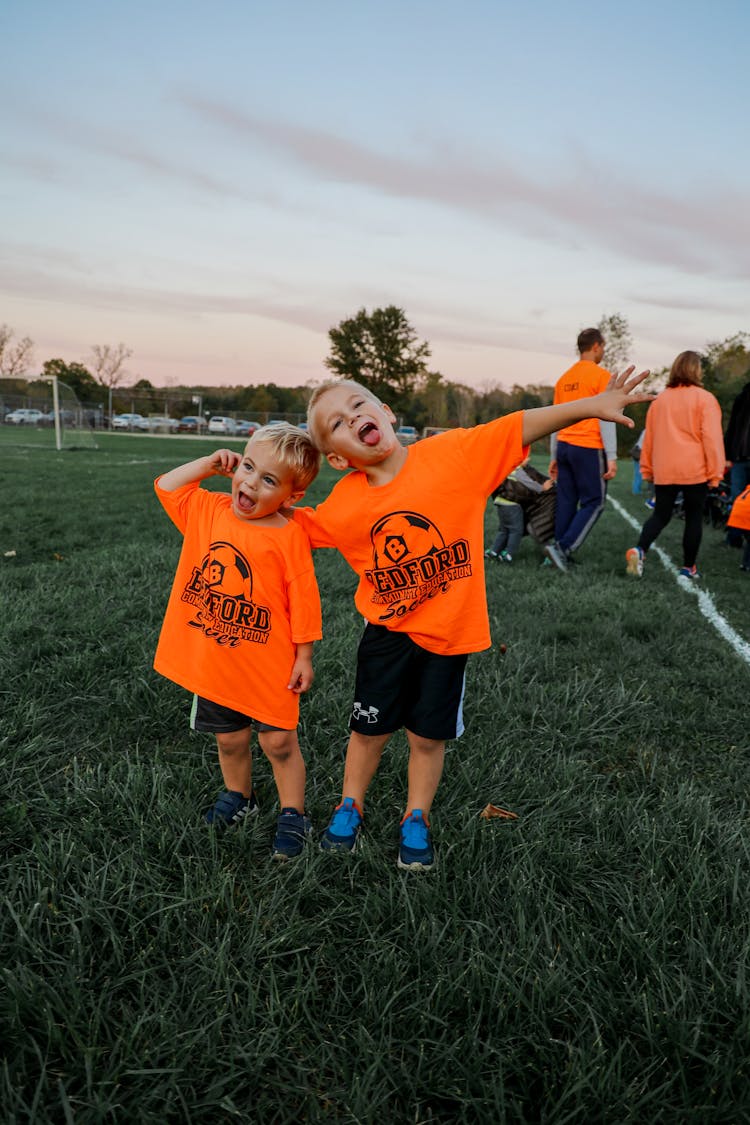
{"points": [[218, 184]]}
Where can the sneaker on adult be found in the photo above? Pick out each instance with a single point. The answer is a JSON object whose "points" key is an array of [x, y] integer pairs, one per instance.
{"points": [[292, 830], [651, 503], [343, 832], [415, 851], [689, 572], [231, 809], [556, 555], [634, 561]]}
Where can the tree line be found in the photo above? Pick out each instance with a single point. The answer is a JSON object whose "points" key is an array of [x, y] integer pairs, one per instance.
{"points": [[379, 349]]}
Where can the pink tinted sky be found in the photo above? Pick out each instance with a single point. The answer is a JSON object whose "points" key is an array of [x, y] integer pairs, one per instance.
{"points": [[217, 186]]}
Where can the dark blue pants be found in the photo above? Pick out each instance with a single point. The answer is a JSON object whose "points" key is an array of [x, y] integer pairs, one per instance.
{"points": [[581, 493]]}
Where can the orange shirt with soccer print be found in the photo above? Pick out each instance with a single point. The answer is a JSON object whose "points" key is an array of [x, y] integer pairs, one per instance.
{"points": [[417, 543], [243, 597], [583, 379]]}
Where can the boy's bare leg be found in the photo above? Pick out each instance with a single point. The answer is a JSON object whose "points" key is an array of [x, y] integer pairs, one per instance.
{"points": [[363, 756], [281, 747], [426, 757], [236, 760]]}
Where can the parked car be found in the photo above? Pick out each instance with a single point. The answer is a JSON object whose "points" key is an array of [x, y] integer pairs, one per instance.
{"points": [[407, 435], [219, 424], [67, 418], [24, 416], [244, 428], [158, 423], [191, 424], [127, 421]]}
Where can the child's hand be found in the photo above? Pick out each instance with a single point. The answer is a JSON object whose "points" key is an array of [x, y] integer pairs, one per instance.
{"points": [[224, 461], [619, 394], [302, 675]]}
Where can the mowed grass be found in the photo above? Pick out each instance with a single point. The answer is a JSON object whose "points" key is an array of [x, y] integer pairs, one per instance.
{"points": [[587, 962]]}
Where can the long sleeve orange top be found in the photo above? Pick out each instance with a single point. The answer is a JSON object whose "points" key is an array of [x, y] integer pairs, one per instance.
{"points": [[684, 443]]}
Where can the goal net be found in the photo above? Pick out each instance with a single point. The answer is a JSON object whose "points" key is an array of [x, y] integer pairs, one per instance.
{"points": [[50, 416]]}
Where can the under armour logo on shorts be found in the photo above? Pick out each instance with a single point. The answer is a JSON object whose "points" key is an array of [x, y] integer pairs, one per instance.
{"points": [[369, 713]]}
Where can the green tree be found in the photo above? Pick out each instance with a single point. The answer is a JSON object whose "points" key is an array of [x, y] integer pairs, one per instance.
{"points": [[618, 341], [726, 369], [15, 358], [381, 351], [74, 375]]}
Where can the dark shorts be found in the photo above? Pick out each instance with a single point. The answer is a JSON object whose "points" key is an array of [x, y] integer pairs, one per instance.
{"points": [[400, 684], [213, 718]]}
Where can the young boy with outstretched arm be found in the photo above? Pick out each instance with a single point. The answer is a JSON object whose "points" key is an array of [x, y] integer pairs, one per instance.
{"points": [[243, 615], [410, 522]]}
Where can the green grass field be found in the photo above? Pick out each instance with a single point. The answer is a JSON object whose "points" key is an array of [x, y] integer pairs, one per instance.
{"points": [[587, 962]]}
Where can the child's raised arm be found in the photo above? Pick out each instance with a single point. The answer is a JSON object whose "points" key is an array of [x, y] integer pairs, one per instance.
{"points": [[222, 462], [608, 406]]}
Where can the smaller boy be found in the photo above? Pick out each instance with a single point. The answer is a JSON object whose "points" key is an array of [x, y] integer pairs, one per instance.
{"points": [[243, 615]]}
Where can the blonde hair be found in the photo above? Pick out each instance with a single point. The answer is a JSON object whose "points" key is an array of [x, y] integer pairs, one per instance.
{"points": [[293, 447], [686, 371], [318, 394]]}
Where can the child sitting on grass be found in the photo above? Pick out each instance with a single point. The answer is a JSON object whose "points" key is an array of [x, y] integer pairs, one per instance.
{"points": [[410, 521], [243, 614]]}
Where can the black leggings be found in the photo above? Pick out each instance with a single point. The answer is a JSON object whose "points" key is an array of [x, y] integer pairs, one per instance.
{"points": [[694, 500]]}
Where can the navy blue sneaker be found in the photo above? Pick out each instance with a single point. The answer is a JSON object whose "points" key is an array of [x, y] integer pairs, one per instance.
{"points": [[292, 830], [416, 852], [342, 833], [231, 809]]}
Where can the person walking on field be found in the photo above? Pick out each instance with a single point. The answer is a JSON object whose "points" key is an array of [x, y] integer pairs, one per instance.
{"points": [[583, 456], [683, 451]]}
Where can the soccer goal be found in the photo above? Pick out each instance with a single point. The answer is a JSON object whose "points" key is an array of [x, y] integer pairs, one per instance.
{"points": [[74, 427], [51, 418]]}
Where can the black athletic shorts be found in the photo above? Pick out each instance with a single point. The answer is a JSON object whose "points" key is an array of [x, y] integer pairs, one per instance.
{"points": [[213, 718], [400, 684]]}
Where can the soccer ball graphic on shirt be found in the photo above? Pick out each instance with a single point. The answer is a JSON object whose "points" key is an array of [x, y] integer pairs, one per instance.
{"points": [[225, 570], [401, 536]]}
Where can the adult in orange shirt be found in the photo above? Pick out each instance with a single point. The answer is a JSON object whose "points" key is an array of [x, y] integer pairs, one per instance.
{"points": [[410, 521], [683, 451], [243, 615], [584, 455]]}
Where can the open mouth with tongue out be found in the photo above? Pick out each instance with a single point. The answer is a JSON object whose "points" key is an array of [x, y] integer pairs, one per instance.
{"points": [[369, 434]]}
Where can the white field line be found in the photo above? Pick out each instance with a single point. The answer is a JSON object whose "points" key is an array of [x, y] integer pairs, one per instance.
{"points": [[705, 601]]}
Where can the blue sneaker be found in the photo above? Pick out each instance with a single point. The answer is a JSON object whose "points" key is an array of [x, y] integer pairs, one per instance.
{"points": [[231, 809], [689, 572], [292, 830], [415, 852], [342, 833]]}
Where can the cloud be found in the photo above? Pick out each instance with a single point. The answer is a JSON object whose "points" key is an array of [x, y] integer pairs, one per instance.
{"points": [[40, 283], [700, 235]]}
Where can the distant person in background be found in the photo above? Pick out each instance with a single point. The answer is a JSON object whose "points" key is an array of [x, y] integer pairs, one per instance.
{"points": [[509, 531], [683, 451], [533, 494], [635, 453], [737, 449], [583, 456], [739, 521]]}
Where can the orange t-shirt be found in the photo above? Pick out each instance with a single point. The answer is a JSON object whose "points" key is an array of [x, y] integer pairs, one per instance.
{"points": [[739, 516], [583, 379], [683, 443], [243, 597], [417, 543]]}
